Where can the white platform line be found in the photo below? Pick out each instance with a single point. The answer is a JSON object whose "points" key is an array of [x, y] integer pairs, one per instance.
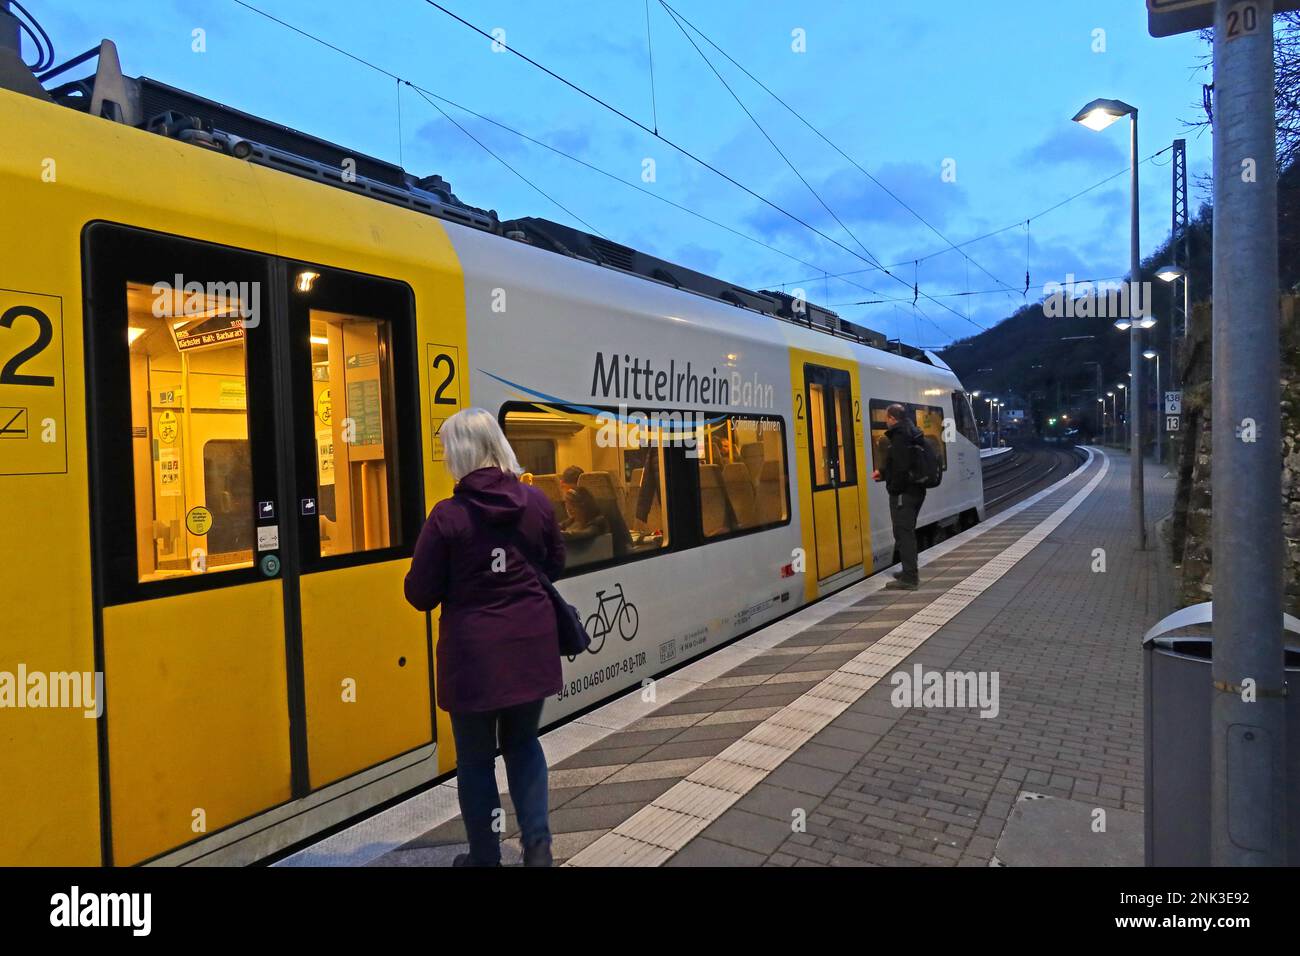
{"points": [[654, 833], [374, 836]]}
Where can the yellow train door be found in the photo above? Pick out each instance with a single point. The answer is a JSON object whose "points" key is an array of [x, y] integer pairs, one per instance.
{"points": [[226, 594], [835, 475]]}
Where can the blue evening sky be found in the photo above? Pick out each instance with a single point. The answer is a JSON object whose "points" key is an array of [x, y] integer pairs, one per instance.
{"points": [[901, 86]]}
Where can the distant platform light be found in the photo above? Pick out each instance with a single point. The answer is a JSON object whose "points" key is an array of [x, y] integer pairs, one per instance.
{"points": [[305, 280], [1170, 273]]}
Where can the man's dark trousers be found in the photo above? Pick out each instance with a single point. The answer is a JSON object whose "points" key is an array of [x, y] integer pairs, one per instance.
{"points": [[903, 510]]}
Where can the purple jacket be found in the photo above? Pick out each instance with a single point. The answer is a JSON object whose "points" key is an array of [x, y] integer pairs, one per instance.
{"points": [[497, 643]]}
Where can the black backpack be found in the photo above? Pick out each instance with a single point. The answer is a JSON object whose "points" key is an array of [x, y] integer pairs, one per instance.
{"points": [[926, 471]]}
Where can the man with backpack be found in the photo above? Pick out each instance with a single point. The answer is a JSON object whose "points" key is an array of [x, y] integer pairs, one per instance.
{"points": [[907, 470]]}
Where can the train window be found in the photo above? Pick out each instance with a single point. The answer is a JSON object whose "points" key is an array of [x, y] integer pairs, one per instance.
{"points": [[352, 404], [193, 472], [844, 453], [742, 475], [964, 417], [608, 490], [928, 418]]}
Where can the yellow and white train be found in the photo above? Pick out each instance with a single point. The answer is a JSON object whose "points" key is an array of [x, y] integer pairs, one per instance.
{"points": [[223, 366]]}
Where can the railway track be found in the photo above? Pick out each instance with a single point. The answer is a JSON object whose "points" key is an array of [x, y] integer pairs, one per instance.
{"points": [[1012, 477]]}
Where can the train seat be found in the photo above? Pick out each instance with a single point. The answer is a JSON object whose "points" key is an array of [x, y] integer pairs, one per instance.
{"points": [[770, 506], [752, 455], [713, 501], [739, 488], [549, 485]]}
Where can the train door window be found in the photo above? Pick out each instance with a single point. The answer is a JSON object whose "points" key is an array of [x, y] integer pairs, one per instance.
{"points": [[742, 472], [817, 416], [607, 488], [360, 484], [180, 411], [964, 417], [848, 458], [350, 402], [193, 470]]}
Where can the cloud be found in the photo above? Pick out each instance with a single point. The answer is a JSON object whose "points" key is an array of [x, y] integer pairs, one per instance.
{"points": [[1074, 144]]}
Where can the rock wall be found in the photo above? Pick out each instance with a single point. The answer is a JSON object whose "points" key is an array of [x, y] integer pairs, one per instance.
{"points": [[1190, 535]]}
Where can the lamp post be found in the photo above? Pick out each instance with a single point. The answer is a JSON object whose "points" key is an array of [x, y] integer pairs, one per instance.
{"points": [[1160, 452], [1172, 273], [1097, 115], [1114, 425], [1128, 408]]}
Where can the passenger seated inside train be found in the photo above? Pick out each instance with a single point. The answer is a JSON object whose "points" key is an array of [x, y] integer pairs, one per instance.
{"points": [[586, 532]]}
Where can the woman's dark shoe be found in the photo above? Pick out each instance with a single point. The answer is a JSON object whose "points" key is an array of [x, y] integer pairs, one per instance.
{"points": [[539, 854], [464, 859]]}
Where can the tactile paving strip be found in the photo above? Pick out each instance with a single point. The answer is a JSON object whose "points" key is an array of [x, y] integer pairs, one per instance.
{"points": [[652, 835]]}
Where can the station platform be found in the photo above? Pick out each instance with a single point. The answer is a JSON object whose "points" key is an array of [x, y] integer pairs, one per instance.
{"points": [[803, 744]]}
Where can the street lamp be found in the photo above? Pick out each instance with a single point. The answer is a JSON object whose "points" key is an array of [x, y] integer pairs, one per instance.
{"points": [[1114, 425], [1173, 273], [1160, 453], [1098, 115]]}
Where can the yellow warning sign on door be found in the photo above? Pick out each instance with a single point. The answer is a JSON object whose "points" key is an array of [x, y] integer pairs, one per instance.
{"points": [[32, 400], [198, 520]]}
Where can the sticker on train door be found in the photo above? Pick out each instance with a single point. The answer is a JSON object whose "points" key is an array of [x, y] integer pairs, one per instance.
{"points": [[33, 410], [444, 390]]}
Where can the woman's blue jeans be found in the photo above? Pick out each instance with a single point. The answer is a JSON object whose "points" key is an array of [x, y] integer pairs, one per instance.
{"points": [[514, 730]]}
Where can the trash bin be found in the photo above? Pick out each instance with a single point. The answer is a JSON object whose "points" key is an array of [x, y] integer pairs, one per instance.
{"points": [[1178, 695]]}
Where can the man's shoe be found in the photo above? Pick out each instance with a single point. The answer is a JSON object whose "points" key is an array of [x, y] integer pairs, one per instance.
{"points": [[464, 859], [539, 854], [898, 575], [902, 585]]}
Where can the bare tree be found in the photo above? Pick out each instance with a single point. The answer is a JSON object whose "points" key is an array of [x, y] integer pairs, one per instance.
{"points": [[1286, 58]]}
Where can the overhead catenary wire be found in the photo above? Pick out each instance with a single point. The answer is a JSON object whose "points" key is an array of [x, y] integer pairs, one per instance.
{"points": [[424, 92], [997, 232], [489, 151], [802, 119], [679, 148], [779, 151], [654, 106], [388, 73], [954, 295]]}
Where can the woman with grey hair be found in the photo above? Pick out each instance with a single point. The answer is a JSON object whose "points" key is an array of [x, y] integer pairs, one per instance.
{"points": [[498, 655]]}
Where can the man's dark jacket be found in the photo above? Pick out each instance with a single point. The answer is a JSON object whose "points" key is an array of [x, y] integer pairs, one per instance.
{"points": [[902, 441]]}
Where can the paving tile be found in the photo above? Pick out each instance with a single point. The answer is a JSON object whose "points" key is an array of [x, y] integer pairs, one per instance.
{"points": [[658, 769], [731, 730], [643, 791], [599, 758], [605, 817], [749, 831], [689, 748], [705, 852], [811, 780]]}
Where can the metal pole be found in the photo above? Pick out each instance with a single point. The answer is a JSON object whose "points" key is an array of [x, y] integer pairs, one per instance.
{"points": [[1135, 346], [1248, 752], [1160, 444]]}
